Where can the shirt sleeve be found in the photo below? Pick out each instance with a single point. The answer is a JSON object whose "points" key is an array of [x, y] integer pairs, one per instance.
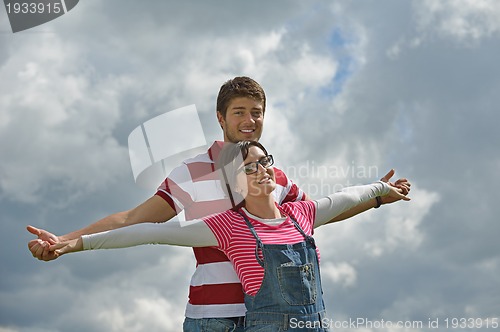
{"points": [[221, 226], [193, 233], [291, 192], [335, 204], [176, 188]]}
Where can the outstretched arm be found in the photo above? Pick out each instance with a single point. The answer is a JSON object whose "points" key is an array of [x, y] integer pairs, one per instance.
{"points": [[402, 184], [332, 206], [155, 209], [193, 233]]}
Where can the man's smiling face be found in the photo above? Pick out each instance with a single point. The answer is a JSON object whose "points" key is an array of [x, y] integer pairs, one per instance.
{"points": [[244, 120]]}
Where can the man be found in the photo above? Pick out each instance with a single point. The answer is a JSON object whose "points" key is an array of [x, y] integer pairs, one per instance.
{"points": [[215, 295]]}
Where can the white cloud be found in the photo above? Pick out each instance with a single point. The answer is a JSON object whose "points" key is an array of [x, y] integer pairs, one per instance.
{"points": [[145, 314], [401, 224], [66, 118], [342, 273], [7, 329], [463, 20], [466, 22]]}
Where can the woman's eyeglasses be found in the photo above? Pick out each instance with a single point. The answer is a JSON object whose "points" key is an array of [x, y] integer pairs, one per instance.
{"points": [[253, 167]]}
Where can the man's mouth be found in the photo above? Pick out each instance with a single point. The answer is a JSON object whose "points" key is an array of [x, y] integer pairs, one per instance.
{"points": [[247, 131]]}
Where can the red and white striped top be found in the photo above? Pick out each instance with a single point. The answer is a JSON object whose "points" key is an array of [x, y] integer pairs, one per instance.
{"points": [[238, 243], [194, 187]]}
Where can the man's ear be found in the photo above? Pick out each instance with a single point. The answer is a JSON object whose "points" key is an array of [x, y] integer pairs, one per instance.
{"points": [[221, 120]]}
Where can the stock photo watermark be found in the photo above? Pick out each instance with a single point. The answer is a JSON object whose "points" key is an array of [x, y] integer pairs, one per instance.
{"points": [[318, 179], [25, 15], [429, 323]]}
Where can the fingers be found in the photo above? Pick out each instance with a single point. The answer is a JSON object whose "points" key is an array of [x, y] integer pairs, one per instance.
{"points": [[402, 184], [37, 248], [404, 188], [398, 193], [60, 248], [405, 198], [33, 230], [401, 193], [34, 246], [41, 250], [57, 246], [32, 243], [388, 176], [43, 234]]}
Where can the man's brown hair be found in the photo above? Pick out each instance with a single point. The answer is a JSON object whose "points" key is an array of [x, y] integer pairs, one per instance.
{"points": [[239, 87]]}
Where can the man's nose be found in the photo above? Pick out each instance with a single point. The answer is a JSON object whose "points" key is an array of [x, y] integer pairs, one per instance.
{"points": [[248, 118]]}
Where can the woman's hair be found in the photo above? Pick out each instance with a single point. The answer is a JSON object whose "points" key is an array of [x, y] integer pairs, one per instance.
{"points": [[230, 162]]}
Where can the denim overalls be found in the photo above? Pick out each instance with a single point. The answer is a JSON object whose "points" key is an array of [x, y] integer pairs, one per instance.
{"points": [[290, 297]]}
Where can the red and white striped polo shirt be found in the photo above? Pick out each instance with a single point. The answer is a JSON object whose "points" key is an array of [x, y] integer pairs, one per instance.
{"points": [[194, 187], [236, 240]]}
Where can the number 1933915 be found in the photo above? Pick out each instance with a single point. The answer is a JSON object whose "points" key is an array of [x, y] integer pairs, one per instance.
{"points": [[34, 8]]}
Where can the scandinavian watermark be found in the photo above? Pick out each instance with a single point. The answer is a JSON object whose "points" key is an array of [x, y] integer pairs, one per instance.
{"points": [[167, 139], [319, 180]]}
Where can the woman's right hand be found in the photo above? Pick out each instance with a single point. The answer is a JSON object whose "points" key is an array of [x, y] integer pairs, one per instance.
{"points": [[39, 247]]}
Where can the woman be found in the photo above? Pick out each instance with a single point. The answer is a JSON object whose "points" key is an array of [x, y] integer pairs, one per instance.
{"points": [[270, 246]]}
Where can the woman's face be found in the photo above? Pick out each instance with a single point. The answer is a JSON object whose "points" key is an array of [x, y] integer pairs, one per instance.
{"points": [[260, 183]]}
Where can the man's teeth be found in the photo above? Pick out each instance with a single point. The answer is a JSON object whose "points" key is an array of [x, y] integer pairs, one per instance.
{"points": [[247, 130]]}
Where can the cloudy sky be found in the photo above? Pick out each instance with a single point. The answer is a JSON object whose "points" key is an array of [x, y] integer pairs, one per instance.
{"points": [[354, 88]]}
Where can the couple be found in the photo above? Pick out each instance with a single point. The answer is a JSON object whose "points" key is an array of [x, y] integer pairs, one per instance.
{"points": [[270, 246], [217, 303]]}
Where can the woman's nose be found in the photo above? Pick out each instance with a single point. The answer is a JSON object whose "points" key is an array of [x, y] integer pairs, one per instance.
{"points": [[260, 168]]}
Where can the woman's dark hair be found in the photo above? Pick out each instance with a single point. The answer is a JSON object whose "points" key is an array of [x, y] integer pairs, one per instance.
{"points": [[230, 162]]}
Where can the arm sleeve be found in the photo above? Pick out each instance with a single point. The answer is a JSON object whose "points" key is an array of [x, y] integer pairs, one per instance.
{"points": [[193, 233], [177, 188], [332, 205], [290, 191]]}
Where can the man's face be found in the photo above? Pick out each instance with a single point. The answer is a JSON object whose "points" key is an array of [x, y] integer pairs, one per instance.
{"points": [[244, 120]]}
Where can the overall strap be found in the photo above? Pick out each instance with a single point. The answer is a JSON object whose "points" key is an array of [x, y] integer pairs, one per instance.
{"points": [[260, 245], [257, 239], [308, 238]]}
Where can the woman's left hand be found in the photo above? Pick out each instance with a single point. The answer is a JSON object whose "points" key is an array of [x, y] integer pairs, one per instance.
{"points": [[401, 185]]}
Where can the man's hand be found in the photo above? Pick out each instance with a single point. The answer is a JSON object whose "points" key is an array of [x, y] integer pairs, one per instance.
{"points": [[39, 247], [67, 247], [403, 186]]}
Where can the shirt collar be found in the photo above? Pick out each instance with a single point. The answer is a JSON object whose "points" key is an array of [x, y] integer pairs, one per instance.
{"points": [[215, 150]]}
